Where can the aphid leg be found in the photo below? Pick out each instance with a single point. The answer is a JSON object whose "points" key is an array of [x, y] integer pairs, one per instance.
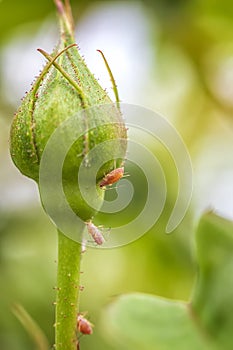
{"points": [[109, 188], [126, 175], [107, 233]]}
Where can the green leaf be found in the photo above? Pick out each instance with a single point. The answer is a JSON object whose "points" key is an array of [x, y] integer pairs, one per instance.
{"points": [[149, 322], [140, 321], [213, 297]]}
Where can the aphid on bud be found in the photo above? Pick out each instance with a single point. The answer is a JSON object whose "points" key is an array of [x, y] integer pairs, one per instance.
{"points": [[83, 325], [95, 233], [112, 177]]}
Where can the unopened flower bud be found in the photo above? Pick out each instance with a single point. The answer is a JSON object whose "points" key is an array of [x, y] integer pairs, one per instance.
{"points": [[64, 88]]}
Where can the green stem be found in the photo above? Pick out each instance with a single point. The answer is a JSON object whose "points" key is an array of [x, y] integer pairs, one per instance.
{"points": [[68, 273]]}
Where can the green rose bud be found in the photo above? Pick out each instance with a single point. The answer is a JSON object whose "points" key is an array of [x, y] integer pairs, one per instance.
{"points": [[64, 88]]}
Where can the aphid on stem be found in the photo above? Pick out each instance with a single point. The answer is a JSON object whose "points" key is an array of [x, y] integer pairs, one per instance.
{"points": [[84, 326], [112, 177], [95, 233]]}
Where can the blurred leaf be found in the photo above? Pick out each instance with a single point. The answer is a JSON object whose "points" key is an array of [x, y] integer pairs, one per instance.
{"points": [[140, 321], [14, 13], [144, 321], [213, 297], [31, 327]]}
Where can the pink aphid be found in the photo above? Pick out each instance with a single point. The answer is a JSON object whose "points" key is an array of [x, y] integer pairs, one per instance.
{"points": [[95, 233], [112, 177], [84, 326]]}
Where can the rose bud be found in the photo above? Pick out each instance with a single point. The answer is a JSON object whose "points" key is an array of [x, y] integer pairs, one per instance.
{"points": [[65, 87]]}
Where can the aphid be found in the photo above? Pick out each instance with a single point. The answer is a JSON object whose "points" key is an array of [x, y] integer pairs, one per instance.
{"points": [[83, 325], [95, 233], [112, 177]]}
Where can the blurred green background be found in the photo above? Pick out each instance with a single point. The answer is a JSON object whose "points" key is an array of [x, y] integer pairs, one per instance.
{"points": [[172, 56]]}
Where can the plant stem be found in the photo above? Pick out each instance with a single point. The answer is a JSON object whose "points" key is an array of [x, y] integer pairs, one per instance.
{"points": [[68, 272]]}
